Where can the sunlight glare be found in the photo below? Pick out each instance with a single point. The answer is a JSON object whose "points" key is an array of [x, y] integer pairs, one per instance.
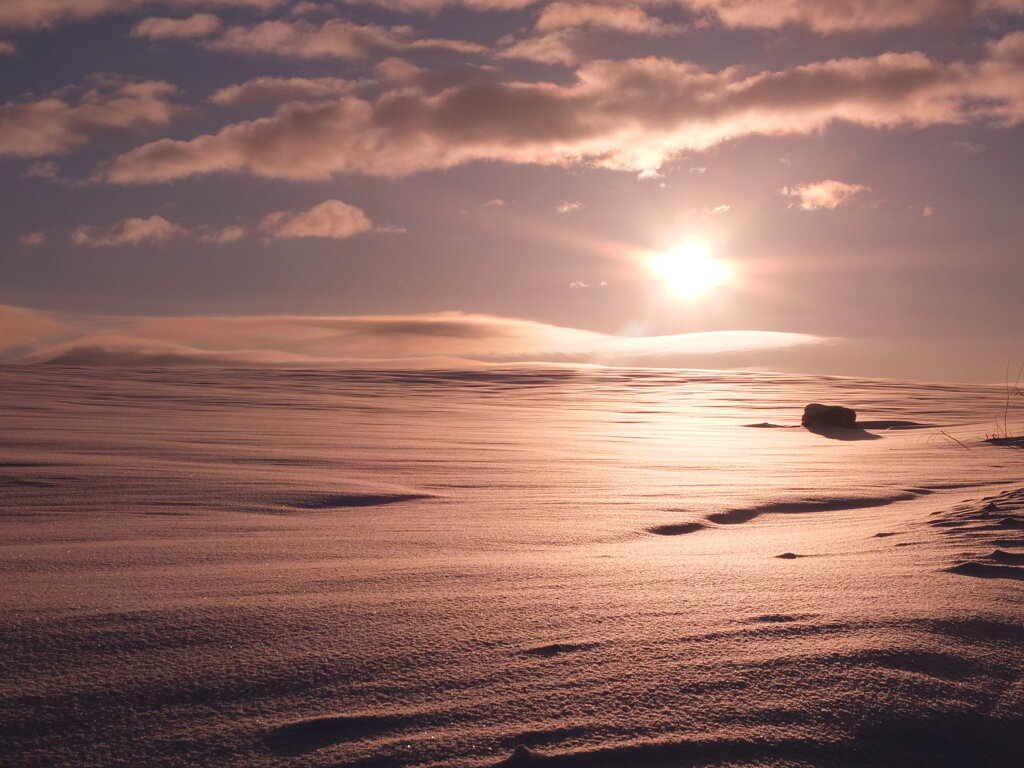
{"points": [[690, 270]]}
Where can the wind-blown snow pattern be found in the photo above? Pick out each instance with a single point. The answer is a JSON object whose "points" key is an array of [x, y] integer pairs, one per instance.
{"points": [[510, 566]]}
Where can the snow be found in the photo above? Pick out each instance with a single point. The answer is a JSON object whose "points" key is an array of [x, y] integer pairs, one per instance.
{"points": [[517, 566]]}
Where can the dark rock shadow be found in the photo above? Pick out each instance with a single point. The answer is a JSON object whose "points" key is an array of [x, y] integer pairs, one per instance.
{"points": [[675, 529], [893, 424], [985, 571], [841, 433], [557, 649]]}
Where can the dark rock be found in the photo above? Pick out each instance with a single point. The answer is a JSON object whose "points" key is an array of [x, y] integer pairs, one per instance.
{"points": [[817, 414]]}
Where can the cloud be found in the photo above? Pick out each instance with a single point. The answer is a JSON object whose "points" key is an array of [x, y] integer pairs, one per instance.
{"points": [[6, 49], [564, 46], [847, 15], [156, 28], [335, 38], [155, 229], [718, 209], [620, 17], [44, 169], [569, 207], [495, 203], [376, 341], [229, 234], [331, 218], [967, 147], [46, 13], [264, 89], [432, 6], [33, 238], [824, 194], [582, 284], [54, 125], [626, 115]]}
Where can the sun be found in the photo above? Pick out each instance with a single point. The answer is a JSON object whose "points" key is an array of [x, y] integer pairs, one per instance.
{"points": [[690, 270]]}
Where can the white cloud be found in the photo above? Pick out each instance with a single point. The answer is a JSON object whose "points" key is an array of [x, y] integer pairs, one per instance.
{"points": [[824, 194], [569, 207], [155, 229], [157, 28], [33, 238], [331, 219], [54, 125], [264, 89]]}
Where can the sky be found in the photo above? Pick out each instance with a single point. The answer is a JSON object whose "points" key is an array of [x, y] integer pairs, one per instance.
{"points": [[469, 182]]}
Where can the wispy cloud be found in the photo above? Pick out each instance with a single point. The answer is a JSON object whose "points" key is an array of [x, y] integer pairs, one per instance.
{"points": [[135, 231], [32, 239], [569, 207], [270, 89], [45, 169], [161, 28], [824, 194], [229, 234]]}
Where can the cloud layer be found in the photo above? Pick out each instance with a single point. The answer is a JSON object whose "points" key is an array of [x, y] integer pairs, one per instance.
{"points": [[386, 341], [631, 115]]}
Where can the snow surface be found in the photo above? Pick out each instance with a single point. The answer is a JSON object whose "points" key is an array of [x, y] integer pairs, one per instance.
{"points": [[519, 566]]}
